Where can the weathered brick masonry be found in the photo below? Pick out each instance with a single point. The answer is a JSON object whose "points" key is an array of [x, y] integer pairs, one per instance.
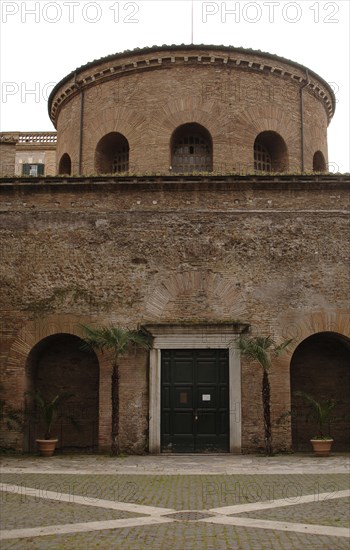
{"points": [[269, 251], [195, 258], [7, 156], [235, 94]]}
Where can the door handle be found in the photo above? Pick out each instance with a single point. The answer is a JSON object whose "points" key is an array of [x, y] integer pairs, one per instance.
{"points": [[195, 416]]}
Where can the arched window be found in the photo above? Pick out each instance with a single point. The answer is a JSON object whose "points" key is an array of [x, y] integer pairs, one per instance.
{"points": [[318, 162], [112, 154], [270, 153], [65, 165], [191, 149]]}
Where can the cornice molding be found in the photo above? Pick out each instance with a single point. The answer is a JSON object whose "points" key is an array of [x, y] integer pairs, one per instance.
{"points": [[123, 65]]}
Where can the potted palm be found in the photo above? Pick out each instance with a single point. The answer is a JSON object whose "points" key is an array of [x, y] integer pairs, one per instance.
{"points": [[49, 412], [321, 412]]}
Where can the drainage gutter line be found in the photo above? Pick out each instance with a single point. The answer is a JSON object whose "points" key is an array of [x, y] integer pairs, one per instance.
{"points": [[302, 119], [81, 92]]}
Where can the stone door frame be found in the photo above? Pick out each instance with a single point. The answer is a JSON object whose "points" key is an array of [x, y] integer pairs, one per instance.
{"points": [[200, 336]]}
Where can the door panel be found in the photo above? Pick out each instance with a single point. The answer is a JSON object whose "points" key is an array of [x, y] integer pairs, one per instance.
{"points": [[194, 401]]}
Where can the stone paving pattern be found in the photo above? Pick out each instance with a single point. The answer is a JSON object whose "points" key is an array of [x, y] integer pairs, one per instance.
{"points": [[22, 511], [329, 512], [190, 487], [185, 492], [181, 536]]}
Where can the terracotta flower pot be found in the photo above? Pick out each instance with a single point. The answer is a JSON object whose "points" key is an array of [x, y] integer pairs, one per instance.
{"points": [[321, 447], [46, 447]]}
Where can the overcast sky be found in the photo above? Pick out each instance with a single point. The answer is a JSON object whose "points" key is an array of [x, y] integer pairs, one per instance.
{"points": [[42, 41]]}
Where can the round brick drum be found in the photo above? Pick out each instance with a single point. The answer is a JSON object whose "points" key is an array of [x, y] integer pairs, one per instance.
{"points": [[191, 109]]}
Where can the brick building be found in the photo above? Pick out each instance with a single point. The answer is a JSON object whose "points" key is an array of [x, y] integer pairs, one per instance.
{"points": [[28, 153], [191, 197]]}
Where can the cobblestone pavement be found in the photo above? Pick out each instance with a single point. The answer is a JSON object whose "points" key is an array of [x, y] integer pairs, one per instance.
{"points": [[175, 502]]}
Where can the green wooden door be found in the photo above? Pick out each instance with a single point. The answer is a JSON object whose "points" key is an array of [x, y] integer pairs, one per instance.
{"points": [[194, 401]]}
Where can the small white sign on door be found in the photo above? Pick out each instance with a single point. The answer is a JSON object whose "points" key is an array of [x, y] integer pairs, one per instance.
{"points": [[206, 397]]}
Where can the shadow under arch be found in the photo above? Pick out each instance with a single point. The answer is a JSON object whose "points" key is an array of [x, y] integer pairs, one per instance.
{"points": [[191, 149], [65, 165], [112, 154], [318, 162], [320, 366], [56, 364], [270, 153]]}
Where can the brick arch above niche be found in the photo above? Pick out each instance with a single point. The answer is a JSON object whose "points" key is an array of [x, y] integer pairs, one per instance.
{"points": [[257, 119], [186, 110], [123, 122], [211, 295], [299, 327], [34, 331]]}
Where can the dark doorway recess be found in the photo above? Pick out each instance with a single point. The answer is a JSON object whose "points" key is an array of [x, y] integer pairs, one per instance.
{"points": [[320, 366], [58, 364]]}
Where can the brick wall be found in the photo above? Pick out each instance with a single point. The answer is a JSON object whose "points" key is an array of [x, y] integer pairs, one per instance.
{"points": [[268, 251], [145, 96], [7, 158]]}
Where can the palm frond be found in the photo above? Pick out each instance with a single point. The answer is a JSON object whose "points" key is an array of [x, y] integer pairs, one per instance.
{"points": [[282, 347], [261, 349], [255, 349], [115, 339], [49, 410], [12, 418], [320, 411], [37, 398]]}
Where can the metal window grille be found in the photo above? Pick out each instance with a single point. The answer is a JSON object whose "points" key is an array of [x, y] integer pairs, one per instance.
{"points": [[121, 160], [192, 153], [262, 158]]}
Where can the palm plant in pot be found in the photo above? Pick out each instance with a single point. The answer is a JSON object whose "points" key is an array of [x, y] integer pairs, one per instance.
{"points": [[49, 412], [322, 414]]}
